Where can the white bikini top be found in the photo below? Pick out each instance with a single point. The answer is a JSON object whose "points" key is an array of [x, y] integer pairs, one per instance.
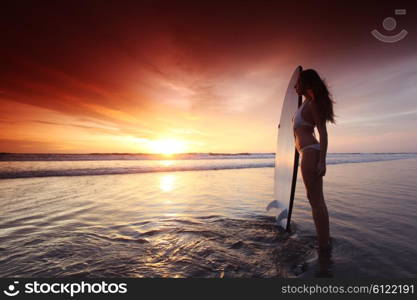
{"points": [[298, 120]]}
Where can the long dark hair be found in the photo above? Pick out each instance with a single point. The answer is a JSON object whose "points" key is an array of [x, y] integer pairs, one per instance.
{"points": [[310, 79]]}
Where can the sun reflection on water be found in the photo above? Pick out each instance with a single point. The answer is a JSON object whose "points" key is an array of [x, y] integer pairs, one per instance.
{"points": [[166, 183], [167, 163]]}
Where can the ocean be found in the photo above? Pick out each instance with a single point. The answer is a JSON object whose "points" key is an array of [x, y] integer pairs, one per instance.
{"points": [[201, 215]]}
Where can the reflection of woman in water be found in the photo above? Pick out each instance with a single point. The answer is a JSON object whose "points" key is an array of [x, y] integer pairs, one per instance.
{"points": [[316, 110]]}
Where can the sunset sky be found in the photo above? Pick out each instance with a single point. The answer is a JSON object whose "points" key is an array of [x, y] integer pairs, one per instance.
{"points": [[199, 76]]}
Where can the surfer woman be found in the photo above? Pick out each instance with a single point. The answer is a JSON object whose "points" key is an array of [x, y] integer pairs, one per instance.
{"points": [[316, 110]]}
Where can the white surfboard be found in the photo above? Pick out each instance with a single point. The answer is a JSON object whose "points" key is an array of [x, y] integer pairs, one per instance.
{"points": [[286, 156]]}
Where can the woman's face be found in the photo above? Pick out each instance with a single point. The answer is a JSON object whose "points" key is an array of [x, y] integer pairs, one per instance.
{"points": [[298, 88]]}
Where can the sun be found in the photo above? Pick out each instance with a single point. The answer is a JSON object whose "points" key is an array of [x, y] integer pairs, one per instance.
{"points": [[167, 146]]}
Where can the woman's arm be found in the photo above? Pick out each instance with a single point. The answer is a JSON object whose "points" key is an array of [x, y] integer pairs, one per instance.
{"points": [[321, 127]]}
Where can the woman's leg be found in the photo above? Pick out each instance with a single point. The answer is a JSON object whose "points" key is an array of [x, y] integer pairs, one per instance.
{"points": [[314, 188]]}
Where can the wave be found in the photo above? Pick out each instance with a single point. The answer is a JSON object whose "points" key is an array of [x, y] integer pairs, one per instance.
{"points": [[26, 169], [114, 171]]}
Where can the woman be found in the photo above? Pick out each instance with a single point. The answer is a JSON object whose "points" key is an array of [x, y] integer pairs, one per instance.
{"points": [[316, 111]]}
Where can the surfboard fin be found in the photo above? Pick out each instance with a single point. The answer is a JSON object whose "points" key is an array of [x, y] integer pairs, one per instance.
{"points": [[283, 215], [274, 204]]}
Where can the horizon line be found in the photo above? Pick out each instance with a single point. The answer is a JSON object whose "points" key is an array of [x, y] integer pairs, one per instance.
{"points": [[186, 153]]}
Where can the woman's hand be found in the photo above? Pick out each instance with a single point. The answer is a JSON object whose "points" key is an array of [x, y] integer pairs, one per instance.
{"points": [[321, 168]]}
